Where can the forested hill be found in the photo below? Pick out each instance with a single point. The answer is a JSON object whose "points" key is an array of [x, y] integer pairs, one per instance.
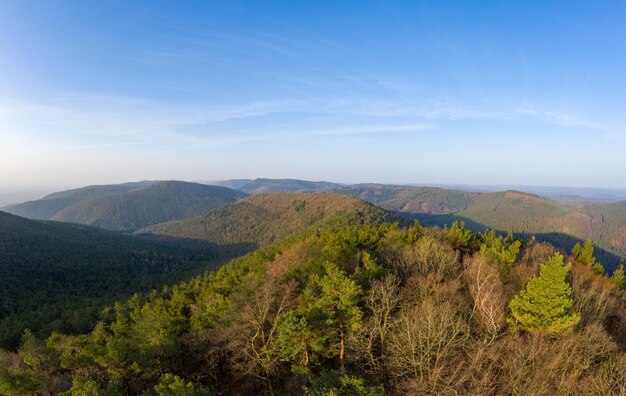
{"points": [[56, 276], [407, 199], [46, 207], [127, 208], [157, 203], [354, 308], [263, 218], [259, 186]]}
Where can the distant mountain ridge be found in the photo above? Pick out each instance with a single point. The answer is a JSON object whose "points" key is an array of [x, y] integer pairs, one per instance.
{"points": [[133, 206], [258, 186], [127, 207]]}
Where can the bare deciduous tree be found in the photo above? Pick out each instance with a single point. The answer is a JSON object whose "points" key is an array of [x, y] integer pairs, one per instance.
{"points": [[485, 288], [369, 340], [425, 345], [251, 338]]}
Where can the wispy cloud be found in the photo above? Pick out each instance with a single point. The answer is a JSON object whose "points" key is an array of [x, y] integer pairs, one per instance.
{"points": [[559, 118], [90, 121]]}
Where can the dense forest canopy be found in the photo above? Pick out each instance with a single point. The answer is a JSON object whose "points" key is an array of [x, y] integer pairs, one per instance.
{"points": [[353, 308], [58, 277]]}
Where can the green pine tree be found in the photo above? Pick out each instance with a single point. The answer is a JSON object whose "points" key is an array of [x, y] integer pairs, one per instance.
{"points": [[584, 254], [577, 250], [619, 278], [335, 297], [545, 303]]}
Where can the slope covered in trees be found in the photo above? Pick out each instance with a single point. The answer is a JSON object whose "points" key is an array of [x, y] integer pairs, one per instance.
{"points": [[259, 186], [57, 277], [157, 203], [354, 308], [46, 207], [129, 207], [263, 218], [406, 199], [520, 212]]}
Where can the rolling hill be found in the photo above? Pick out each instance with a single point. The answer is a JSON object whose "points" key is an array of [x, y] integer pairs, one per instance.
{"points": [[263, 218], [157, 203], [46, 207], [57, 277], [129, 207]]}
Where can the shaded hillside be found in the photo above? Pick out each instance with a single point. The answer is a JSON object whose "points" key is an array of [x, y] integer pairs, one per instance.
{"points": [[157, 203], [264, 218], [48, 206], [56, 276], [258, 186]]}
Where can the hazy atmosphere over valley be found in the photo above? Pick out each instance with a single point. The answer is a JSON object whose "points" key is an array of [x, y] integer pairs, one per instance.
{"points": [[312, 198]]}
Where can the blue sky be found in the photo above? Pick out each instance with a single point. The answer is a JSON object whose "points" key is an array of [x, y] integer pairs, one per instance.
{"points": [[503, 92]]}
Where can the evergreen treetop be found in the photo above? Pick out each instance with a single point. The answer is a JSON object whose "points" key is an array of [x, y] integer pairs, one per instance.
{"points": [[545, 302]]}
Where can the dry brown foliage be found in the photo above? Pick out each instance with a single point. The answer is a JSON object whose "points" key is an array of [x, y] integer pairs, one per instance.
{"points": [[595, 297]]}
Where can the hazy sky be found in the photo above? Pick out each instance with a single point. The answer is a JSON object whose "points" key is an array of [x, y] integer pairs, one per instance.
{"points": [[502, 92]]}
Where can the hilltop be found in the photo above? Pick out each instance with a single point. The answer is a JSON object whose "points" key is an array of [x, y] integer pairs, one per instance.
{"points": [[515, 211], [263, 218], [129, 207]]}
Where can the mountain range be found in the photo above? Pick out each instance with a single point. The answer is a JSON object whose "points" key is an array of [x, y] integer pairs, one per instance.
{"points": [[184, 209]]}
